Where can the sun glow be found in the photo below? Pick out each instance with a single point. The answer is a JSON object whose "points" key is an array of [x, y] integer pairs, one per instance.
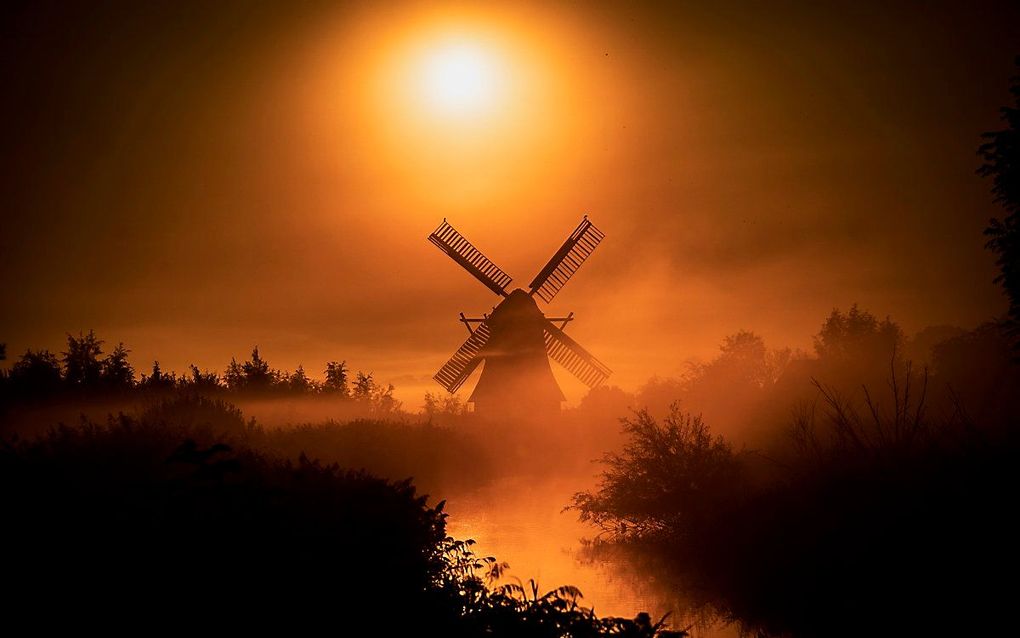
{"points": [[459, 77], [459, 108]]}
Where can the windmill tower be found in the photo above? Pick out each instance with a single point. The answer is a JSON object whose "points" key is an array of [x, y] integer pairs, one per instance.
{"points": [[516, 340]]}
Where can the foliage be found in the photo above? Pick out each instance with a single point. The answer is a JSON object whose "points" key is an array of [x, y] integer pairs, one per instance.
{"points": [[1001, 155], [364, 387], [83, 373], [158, 380], [252, 375], [336, 379], [869, 429], [668, 478], [36, 374], [856, 334], [183, 515], [878, 511], [115, 371], [488, 609], [170, 519], [444, 405], [82, 367], [299, 381]]}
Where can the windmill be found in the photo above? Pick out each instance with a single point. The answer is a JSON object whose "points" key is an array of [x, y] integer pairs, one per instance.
{"points": [[516, 340]]}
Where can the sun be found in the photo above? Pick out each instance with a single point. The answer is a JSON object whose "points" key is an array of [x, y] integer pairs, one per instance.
{"points": [[459, 78]]}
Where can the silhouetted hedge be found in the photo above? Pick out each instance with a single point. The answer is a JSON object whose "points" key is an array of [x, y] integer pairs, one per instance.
{"points": [[155, 524]]}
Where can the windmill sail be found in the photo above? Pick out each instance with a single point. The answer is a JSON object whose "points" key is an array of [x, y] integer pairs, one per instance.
{"points": [[568, 353], [461, 251], [463, 362], [567, 260]]}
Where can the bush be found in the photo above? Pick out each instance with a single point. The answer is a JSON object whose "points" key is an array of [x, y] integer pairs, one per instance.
{"points": [[137, 521], [880, 519], [668, 478]]}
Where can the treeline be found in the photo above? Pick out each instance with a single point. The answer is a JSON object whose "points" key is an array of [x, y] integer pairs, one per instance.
{"points": [[84, 369], [748, 391]]}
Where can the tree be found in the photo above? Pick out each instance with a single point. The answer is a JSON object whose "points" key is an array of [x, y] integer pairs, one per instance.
{"points": [[82, 367], [36, 373], [203, 380], [257, 374], [116, 372], [158, 379], [668, 480], [254, 374], [336, 379], [299, 381], [744, 357], [857, 334], [364, 386], [1001, 155], [3, 351], [383, 400]]}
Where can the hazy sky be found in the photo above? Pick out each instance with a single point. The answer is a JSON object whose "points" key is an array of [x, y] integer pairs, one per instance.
{"points": [[197, 178]]}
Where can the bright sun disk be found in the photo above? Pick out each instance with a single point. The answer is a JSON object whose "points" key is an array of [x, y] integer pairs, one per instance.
{"points": [[458, 78]]}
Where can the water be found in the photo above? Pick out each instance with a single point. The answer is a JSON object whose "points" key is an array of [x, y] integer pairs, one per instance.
{"points": [[520, 520]]}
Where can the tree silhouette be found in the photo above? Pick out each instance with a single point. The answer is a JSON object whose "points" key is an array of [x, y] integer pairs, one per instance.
{"points": [[857, 334], [257, 374], [364, 386], [203, 380], [234, 376], [1001, 155], [336, 379], [158, 379], [116, 372], [254, 374], [3, 351], [299, 381], [82, 367], [36, 373]]}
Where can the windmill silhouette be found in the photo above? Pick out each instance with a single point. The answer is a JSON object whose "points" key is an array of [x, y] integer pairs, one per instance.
{"points": [[517, 340]]}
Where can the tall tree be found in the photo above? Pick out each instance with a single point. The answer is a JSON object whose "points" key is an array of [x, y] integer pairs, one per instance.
{"points": [[257, 374], [1001, 155], [82, 367], [364, 386], [299, 381], [858, 334], [336, 379], [116, 372]]}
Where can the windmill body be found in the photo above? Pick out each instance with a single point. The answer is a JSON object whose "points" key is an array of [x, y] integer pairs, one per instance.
{"points": [[515, 342], [516, 375]]}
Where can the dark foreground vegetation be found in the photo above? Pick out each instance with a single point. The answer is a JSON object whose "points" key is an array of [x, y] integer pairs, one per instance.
{"points": [[882, 495], [156, 522], [874, 517]]}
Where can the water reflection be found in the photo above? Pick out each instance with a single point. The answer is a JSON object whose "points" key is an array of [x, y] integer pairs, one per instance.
{"points": [[520, 520]]}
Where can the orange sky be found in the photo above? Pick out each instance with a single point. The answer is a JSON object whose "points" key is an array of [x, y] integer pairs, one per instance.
{"points": [[194, 180]]}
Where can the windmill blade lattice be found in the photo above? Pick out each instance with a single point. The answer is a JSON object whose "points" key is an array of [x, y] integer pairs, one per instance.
{"points": [[461, 251], [568, 353], [567, 260], [463, 362]]}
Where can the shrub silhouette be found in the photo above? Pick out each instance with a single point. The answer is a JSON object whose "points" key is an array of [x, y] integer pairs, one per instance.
{"points": [[172, 524], [879, 513], [176, 519]]}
